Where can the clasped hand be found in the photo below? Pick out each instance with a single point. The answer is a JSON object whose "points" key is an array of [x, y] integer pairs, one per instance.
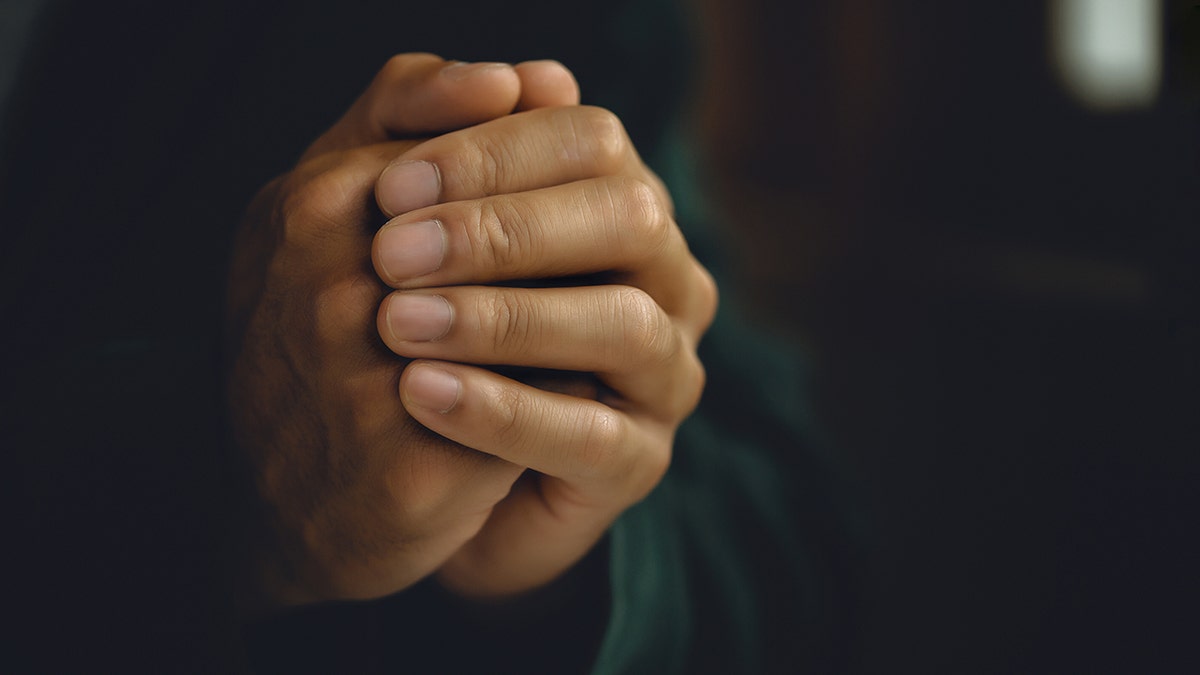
{"points": [[370, 309]]}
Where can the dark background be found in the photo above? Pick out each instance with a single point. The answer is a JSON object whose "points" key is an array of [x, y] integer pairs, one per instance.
{"points": [[996, 287]]}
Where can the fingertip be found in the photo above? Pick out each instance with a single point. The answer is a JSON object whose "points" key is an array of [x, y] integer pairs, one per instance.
{"points": [[420, 94], [408, 185], [402, 252], [482, 90], [459, 71], [427, 386], [545, 83]]}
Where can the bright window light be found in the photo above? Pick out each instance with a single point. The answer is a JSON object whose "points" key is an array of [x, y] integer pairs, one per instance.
{"points": [[1108, 52]]}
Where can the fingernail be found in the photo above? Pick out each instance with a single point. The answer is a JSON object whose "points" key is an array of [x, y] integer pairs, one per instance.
{"points": [[408, 185], [418, 318], [461, 70], [412, 250], [546, 62], [433, 388]]}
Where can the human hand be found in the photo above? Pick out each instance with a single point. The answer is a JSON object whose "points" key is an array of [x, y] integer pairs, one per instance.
{"points": [[364, 502], [549, 193], [313, 400]]}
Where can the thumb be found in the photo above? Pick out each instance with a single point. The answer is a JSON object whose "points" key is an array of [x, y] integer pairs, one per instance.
{"points": [[419, 95]]}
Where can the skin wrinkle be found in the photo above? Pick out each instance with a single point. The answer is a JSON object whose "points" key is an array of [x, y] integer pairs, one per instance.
{"points": [[645, 211], [500, 238], [524, 229], [602, 195], [482, 165], [642, 327], [511, 319], [601, 138]]}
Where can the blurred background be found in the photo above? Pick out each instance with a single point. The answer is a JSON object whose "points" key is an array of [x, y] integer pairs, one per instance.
{"points": [[982, 221], [978, 223]]}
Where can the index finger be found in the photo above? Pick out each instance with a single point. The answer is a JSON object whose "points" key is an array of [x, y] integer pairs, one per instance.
{"points": [[525, 151]]}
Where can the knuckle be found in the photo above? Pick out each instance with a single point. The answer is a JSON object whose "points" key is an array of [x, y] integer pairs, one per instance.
{"points": [[418, 488], [411, 505], [511, 319], [647, 466], [654, 465], [599, 134], [294, 205], [507, 413], [604, 436], [362, 156], [498, 240], [478, 163], [693, 388], [609, 140], [310, 207], [645, 331], [708, 298], [345, 310], [641, 207]]}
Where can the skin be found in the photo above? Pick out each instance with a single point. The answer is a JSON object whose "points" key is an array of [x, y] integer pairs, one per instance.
{"points": [[384, 445]]}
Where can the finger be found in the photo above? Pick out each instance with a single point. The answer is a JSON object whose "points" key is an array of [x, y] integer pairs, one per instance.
{"points": [[577, 440], [328, 204], [606, 224], [616, 332], [525, 151], [421, 94], [582, 227], [547, 520], [545, 84]]}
